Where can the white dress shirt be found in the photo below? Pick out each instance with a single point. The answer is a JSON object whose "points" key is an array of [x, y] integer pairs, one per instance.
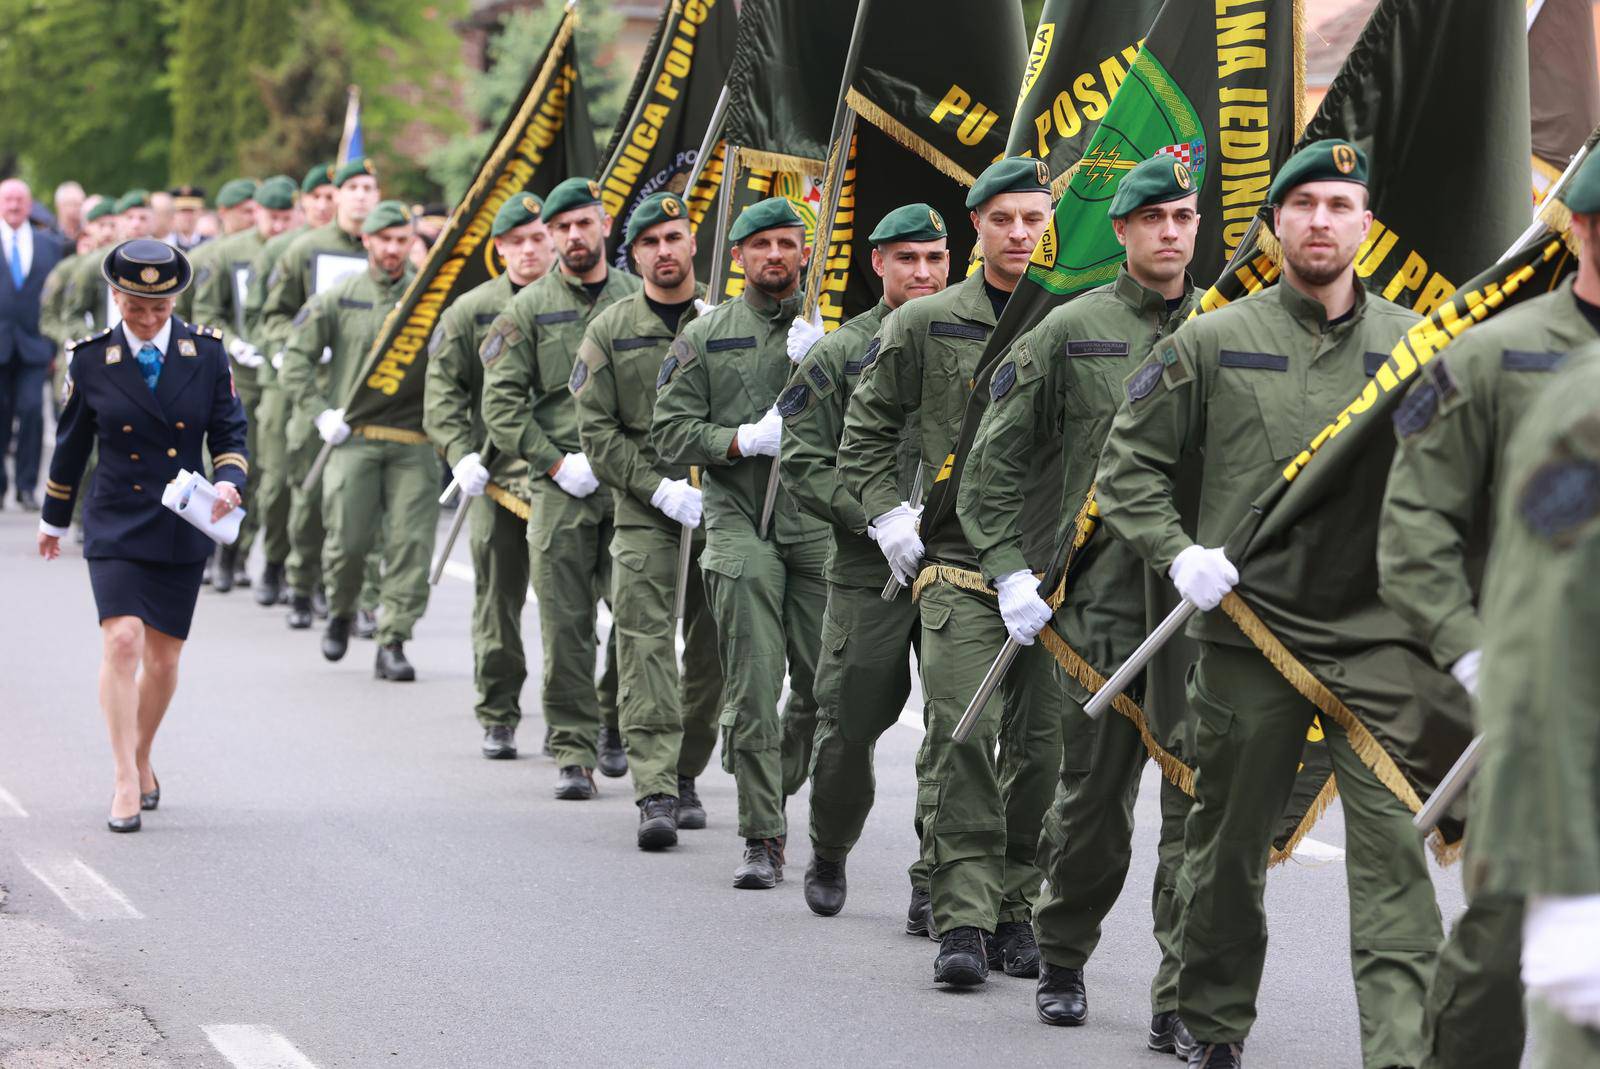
{"points": [[22, 237]]}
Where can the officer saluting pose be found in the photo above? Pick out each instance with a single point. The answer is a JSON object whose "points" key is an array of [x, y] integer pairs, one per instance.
{"points": [[1248, 385]]}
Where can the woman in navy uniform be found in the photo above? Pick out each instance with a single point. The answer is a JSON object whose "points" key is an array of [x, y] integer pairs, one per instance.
{"points": [[151, 392]]}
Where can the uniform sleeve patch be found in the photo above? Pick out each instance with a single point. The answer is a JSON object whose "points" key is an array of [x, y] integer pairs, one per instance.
{"points": [[276, 276], [202, 276], [819, 377], [668, 366], [868, 358], [503, 334], [721, 345], [1143, 382], [969, 331], [580, 376], [1444, 379], [301, 316], [436, 341], [1004, 379], [1529, 360], [793, 400], [1097, 347], [1417, 410], [623, 345], [547, 318], [1560, 498], [1254, 361], [1371, 362]]}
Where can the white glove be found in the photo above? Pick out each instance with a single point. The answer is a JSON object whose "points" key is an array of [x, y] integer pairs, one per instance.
{"points": [[679, 501], [702, 307], [1021, 607], [243, 353], [803, 335], [1466, 670], [332, 427], [277, 360], [326, 357], [761, 439], [471, 475], [896, 534], [575, 476], [1203, 576], [1561, 955]]}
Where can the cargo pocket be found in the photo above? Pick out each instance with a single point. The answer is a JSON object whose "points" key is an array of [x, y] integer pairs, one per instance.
{"points": [[721, 570], [631, 613], [928, 792], [727, 725]]}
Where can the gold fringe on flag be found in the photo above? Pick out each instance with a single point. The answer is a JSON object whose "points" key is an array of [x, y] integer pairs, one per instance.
{"points": [[751, 158], [509, 501], [907, 138]]}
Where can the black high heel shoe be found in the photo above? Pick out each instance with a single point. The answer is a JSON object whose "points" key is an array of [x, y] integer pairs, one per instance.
{"points": [[153, 799], [123, 824]]}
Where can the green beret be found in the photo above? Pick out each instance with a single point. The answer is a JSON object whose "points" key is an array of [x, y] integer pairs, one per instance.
{"points": [[656, 208], [358, 166], [910, 222], [133, 198], [318, 176], [388, 213], [236, 192], [518, 209], [103, 207], [276, 193], [573, 193], [1154, 181], [1329, 160], [1014, 174], [1583, 193], [769, 214]]}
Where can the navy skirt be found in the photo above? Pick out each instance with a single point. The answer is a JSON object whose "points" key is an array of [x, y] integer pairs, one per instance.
{"points": [[162, 595]]}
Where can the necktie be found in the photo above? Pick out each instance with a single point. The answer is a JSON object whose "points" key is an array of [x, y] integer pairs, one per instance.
{"points": [[18, 275], [150, 365]]}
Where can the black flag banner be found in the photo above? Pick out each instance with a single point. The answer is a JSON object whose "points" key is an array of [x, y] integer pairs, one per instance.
{"points": [[546, 137], [1082, 50], [656, 143]]}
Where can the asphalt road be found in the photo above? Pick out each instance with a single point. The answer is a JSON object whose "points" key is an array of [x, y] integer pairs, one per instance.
{"points": [[336, 878]]}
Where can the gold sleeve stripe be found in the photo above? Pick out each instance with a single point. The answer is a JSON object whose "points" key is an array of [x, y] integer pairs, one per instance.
{"points": [[65, 488], [236, 459], [59, 495]]}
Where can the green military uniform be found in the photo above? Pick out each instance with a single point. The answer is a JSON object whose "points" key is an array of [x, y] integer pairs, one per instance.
{"points": [[725, 369], [1247, 386], [453, 418], [980, 819], [272, 411], [53, 322], [864, 666], [85, 297], [668, 721], [528, 359], [383, 479], [1057, 391], [1455, 427], [1535, 803]]}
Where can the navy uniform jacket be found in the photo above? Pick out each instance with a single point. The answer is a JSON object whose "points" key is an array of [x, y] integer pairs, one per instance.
{"points": [[144, 438]]}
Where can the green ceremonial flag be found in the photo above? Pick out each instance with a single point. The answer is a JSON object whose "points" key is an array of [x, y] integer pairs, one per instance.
{"points": [[657, 141], [546, 137], [1082, 50]]}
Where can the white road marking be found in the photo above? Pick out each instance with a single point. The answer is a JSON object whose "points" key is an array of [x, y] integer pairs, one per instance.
{"points": [[9, 806], [1312, 853], [252, 1046], [81, 889], [911, 717]]}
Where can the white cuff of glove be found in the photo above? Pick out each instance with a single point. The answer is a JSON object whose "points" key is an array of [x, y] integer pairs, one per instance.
{"points": [[326, 357], [761, 439], [471, 476], [1203, 576], [896, 534], [678, 501], [1466, 670], [277, 360], [243, 353], [52, 530], [575, 476], [702, 307], [1021, 607], [1561, 955], [802, 336], [332, 427]]}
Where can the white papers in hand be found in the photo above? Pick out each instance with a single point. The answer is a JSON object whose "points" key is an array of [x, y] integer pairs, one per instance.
{"points": [[191, 496]]}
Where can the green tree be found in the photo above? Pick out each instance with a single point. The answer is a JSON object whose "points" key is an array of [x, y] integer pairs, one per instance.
{"points": [[512, 53], [204, 132]]}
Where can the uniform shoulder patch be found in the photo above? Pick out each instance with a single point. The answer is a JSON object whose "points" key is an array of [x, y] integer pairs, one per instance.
{"points": [[436, 340], [202, 276], [668, 366], [1530, 360], [1417, 410], [793, 400], [819, 377], [1371, 362], [87, 338], [1005, 377], [1142, 383], [205, 330], [579, 378], [301, 316], [504, 333], [1560, 498]]}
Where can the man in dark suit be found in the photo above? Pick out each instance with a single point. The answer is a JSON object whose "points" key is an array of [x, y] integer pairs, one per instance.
{"points": [[27, 253]]}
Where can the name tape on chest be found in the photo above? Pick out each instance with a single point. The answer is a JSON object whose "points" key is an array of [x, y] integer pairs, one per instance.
{"points": [[1253, 361], [545, 319], [1091, 347], [722, 345], [623, 345], [1530, 360], [969, 331]]}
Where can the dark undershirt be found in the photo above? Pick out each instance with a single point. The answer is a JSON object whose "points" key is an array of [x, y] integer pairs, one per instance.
{"points": [[1173, 303], [594, 289], [1591, 312], [669, 314], [1342, 319], [997, 297], [515, 289]]}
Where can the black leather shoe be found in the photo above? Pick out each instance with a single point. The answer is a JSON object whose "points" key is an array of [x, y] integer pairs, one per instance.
{"points": [[336, 639], [125, 824], [1061, 998], [26, 501], [1217, 1056], [500, 742], [658, 822], [612, 760], [825, 886], [962, 960], [271, 588], [392, 664], [319, 603], [366, 624], [691, 814], [762, 867], [1013, 948], [222, 571], [299, 612], [153, 799], [1169, 1035], [919, 916], [574, 783]]}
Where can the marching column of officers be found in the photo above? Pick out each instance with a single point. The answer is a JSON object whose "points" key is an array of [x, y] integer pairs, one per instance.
{"points": [[596, 421]]}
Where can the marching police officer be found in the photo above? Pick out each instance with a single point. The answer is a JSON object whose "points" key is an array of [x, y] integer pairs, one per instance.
{"points": [[1057, 391], [1248, 385], [235, 208], [497, 490], [980, 819], [864, 666], [528, 360], [716, 409], [384, 476], [668, 722], [1455, 426]]}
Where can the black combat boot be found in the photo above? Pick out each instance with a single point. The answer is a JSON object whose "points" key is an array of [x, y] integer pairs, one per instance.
{"points": [[1169, 1035], [1014, 949], [691, 814], [1217, 1056], [919, 915], [613, 761], [1061, 998], [299, 611], [500, 742], [271, 588], [762, 867], [222, 572], [392, 664], [574, 783], [336, 639], [963, 960], [825, 886], [658, 822]]}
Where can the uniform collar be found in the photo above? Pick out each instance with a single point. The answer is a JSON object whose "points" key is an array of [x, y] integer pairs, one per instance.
{"points": [[162, 340], [1143, 300], [970, 300], [576, 284], [1309, 312], [768, 308]]}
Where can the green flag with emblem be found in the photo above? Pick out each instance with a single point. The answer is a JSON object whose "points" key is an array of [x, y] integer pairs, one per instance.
{"points": [[546, 137]]}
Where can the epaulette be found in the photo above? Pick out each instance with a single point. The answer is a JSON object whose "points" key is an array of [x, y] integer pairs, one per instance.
{"points": [[206, 331], [71, 345]]}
